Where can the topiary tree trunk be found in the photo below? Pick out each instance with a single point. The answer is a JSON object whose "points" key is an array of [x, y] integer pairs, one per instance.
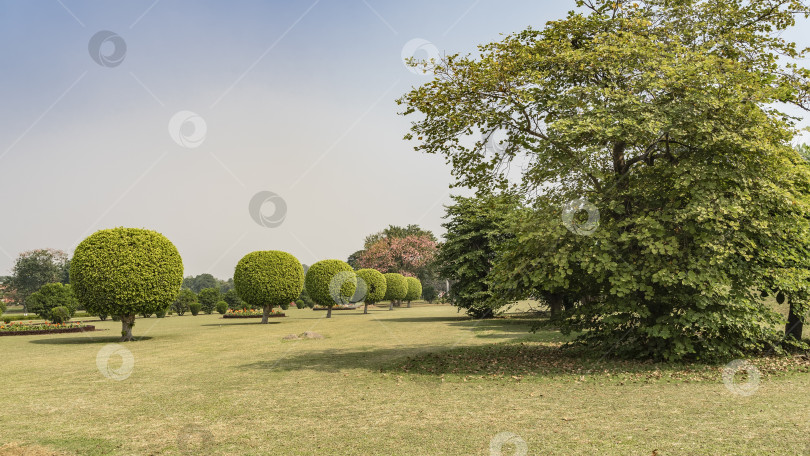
{"points": [[329, 312], [266, 314], [127, 322], [365, 307], [409, 304]]}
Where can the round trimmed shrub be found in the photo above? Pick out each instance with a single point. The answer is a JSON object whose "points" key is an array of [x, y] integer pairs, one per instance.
{"points": [[331, 282], [59, 314], [50, 296], [300, 304], [126, 271], [414, 290], [396, 288], [194, 308], [161, 313], [268, 278], [375, 286], [222, 307]]}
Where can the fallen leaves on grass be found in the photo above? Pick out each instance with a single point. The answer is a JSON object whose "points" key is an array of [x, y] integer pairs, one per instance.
{"points": [[530, 360]]}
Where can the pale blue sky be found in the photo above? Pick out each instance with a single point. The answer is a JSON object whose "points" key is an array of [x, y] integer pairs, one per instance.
{"points": [[297, 97]]}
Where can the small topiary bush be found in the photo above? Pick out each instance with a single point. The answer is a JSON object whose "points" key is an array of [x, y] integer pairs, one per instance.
{"points": [[222, 307], [266, 279], [396, 288], [59, 315], [429, 293], [194, 308], [414, 290], [300, 304], [375, 286], [161, 313], [331, 282]]}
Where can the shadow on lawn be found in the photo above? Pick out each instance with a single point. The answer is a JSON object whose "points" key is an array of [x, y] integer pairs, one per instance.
{"points": [[241, 323], [85, 340], [510, 361]]}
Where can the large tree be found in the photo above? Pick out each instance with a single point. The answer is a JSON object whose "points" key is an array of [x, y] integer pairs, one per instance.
{"points": [[660, 120], [33, 269]]}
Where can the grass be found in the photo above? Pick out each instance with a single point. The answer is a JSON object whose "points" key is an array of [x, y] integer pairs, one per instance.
{"points": [[419, 381]]}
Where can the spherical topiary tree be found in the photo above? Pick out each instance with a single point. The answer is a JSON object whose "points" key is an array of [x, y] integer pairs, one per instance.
{"points": [[331, 282], [375, 286], [268, 278], [126, 271], [396, 287], [414, 290]]}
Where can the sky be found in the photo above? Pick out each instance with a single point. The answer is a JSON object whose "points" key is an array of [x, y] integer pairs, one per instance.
{"points": [[230, 126]]}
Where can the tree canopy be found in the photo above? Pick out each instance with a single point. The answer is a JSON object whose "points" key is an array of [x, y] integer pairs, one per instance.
{"points": [[661, 189]]}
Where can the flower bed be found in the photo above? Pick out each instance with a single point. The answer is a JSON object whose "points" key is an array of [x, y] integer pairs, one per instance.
{"points": [[26, 329], [251, 314]]}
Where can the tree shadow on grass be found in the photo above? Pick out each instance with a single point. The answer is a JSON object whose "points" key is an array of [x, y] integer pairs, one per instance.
{"points": [[242, 323], [506, 361], [430, 319], [86, 340]]}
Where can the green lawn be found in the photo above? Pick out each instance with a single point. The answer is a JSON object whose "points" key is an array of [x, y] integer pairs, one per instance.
{"points": [[420, 381]]}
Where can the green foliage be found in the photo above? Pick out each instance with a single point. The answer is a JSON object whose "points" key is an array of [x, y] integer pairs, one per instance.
{"points": [[183, 302], [375, 285], [396, 286], [161, 313], [308, 302], [429, 293], [331, 282], [50, 296], [668, 121], [34, 269], [200, 282], [194, 308], [269, 278], [300, 304], [208, 298], [125, 271], [146, 314], [2, 306], [414, 289], [222, 307], [59, 314], [474, 228], [233, 299]]}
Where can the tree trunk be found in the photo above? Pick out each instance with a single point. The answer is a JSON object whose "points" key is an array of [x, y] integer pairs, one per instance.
{"points": [[365, 308], [794, 324], [391, 305], [265, 314], [555, 302], [409, 304], [127, 322], [329, 312]]}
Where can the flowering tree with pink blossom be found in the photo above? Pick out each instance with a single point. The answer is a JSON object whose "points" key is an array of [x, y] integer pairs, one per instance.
{"points": [[408, 255]]}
